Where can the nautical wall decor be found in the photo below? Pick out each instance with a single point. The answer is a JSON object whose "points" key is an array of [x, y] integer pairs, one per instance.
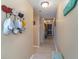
{"points": [[71, 4]]}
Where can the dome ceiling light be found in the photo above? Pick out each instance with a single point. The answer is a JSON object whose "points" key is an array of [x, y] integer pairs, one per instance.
{"points": [[45, 4]]}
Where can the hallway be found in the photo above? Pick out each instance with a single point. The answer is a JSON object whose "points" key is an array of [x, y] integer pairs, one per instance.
{"points": [[26, 24]]}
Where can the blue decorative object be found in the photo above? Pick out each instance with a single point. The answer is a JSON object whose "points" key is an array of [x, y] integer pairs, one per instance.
{"points": [[57, 55], [71, 4]]}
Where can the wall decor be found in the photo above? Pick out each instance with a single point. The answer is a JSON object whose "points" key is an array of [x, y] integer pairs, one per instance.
{"points": [[15, 23], [71, 4]]}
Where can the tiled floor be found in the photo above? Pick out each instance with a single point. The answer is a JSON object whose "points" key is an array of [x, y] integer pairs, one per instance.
{"points": [[45, 50]]}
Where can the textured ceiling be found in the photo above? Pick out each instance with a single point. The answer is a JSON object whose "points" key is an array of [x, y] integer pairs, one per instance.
{"points": [[48, 12]]}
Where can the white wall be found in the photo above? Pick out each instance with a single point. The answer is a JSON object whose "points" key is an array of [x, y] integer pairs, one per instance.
{"points": [[18, 46], [66, 34]]}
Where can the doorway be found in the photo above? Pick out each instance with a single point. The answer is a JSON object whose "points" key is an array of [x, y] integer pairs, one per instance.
{"points": [[48, 30]]}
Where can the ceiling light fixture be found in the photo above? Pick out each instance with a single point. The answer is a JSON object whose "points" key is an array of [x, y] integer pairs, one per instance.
{"points": [[45, 4]]}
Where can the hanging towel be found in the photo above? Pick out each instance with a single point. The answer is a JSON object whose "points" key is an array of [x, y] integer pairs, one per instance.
{"points": [[18, 23], [7, 26], [11, 25], [23, 23]]}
